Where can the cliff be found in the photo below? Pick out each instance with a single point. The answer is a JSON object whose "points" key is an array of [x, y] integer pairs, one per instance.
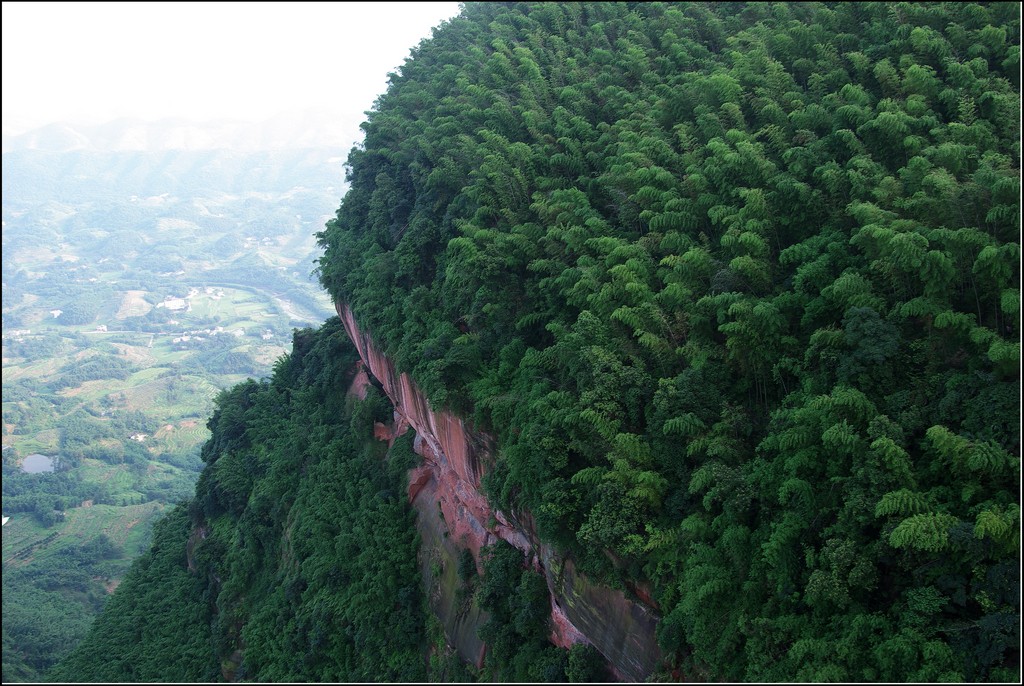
{"points": [[455, 458]]}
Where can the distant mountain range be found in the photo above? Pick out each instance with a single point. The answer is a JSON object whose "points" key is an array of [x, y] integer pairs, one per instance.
{"points": [[305, 129]]}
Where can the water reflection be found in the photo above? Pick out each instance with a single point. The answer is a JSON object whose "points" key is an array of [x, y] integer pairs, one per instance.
{"points": [[36, 463]]}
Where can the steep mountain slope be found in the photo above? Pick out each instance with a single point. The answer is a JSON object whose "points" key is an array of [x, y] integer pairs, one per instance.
{"points": [[298, 551], [300, 558], [735, 289], [704, 315]]}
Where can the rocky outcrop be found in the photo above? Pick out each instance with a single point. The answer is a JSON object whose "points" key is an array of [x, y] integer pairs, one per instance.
{"points": [[454, 514], [359, 382], [453, 453], [439, 554], [621, 628]]}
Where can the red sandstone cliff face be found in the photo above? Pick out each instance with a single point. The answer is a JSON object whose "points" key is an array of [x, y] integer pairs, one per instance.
{"points": [[455, 458], [453, 454]]}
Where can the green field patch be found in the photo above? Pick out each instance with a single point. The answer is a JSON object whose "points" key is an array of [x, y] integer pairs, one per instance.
{"points": [[108, 311], [126, 483], [180, 437], [229, 304], [48, 439], [176, 226], [21, 534], [234, 379], [34, 370], [267, 355], [83, 354], [129, 339], [144, 395], [199, 403], [145, 376], [171, 398], [275, 259], [166, 355], [90, 391], [27, 299], [84, 523], [127, 527], [36, 257], [251, 311], [45, 441], [137, 354], [32, 317], [204, 307], [253, 325], [115, 476]]}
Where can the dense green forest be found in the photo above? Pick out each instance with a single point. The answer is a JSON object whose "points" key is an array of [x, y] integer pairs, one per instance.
{"points": [[736, 287]]}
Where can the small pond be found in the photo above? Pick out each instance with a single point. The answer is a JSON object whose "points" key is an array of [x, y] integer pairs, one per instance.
{"points": [[36, 463]]}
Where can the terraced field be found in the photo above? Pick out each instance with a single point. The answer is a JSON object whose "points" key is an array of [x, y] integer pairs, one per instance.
{"points": [[25, 541], [180, 435]]}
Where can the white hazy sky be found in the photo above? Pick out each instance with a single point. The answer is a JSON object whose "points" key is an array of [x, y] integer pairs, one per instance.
{"points": [[87, 63]]}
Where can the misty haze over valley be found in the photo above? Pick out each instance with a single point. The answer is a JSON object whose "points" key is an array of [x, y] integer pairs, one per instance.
{"points": [[146, 266]]}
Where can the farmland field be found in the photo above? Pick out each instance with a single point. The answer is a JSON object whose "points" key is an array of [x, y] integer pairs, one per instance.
{"points": [[133, 305], [126, 526]]}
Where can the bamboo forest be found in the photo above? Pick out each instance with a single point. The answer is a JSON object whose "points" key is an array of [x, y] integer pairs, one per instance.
{"points": [[727, 297]]}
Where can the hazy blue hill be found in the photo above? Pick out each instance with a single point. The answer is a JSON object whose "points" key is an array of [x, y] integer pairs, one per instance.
{"points": [[288, 130], [35, 176]]}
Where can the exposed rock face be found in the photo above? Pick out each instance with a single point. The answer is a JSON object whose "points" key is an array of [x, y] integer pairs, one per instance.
{"points": [[446, 492], [451, 450], [623, 630], [359, 383], [439, 554], [447, 436]]}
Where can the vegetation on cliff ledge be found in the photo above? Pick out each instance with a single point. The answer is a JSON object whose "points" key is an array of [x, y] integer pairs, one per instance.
{"points": [[736, 287]]}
